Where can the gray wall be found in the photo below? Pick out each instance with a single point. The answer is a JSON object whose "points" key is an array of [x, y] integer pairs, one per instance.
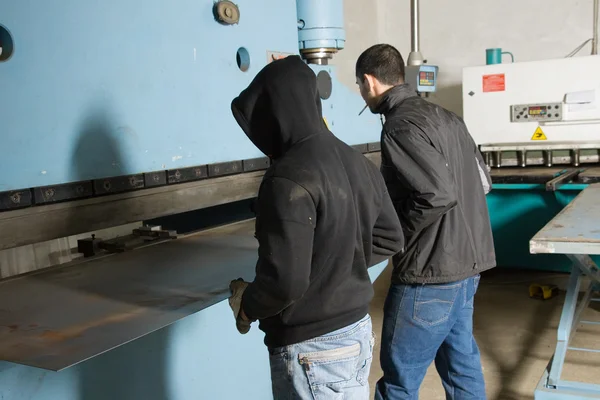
{"points": [[455, 33]]}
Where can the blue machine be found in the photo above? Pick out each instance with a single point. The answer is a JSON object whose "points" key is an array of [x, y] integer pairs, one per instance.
{"points": [[119, 113], [92, 92]]}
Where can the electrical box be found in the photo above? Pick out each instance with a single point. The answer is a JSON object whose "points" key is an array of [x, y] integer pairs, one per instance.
{"points": [[422, 78], [533, 102]]}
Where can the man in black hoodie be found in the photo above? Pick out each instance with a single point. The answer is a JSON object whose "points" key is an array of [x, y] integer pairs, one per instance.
{"points": [[436, 179], [323, 217]]}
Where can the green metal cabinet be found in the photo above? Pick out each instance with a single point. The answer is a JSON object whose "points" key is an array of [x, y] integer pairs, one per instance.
{"points": [[517, 213]]}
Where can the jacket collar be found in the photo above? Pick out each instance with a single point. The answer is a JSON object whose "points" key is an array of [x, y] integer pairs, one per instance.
{"points": [[393, 97]]}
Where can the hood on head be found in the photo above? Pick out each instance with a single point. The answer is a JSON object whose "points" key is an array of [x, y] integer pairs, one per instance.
{"points": [[280, 107]]}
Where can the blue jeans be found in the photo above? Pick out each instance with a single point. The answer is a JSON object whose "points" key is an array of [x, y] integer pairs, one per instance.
{"points": [[333, 366], [427, 323]]}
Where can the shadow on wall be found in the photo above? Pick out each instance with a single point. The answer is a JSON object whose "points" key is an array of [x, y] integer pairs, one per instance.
{"points": [[97, 152], [449, 97], [135, 370]]}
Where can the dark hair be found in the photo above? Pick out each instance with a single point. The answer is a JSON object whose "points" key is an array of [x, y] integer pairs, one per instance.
{"points": [[384, 62]]}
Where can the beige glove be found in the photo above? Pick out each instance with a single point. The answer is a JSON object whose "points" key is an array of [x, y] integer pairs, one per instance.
{"points": [[237, 288]]}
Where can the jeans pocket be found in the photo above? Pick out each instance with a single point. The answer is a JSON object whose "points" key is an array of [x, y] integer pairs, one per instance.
{"points": [[470, 293], [433, 303], [331, 368], [363, 373]]}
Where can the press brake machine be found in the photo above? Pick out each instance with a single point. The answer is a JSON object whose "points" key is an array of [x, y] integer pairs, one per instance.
{"points": [[118, 146]]}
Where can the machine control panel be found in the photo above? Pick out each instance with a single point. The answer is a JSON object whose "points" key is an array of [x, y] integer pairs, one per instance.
{"points": [[536, 112], [423, 78]]}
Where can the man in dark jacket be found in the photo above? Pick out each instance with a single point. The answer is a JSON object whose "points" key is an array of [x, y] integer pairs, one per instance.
{"points": [[323, 217], [431, 166]]}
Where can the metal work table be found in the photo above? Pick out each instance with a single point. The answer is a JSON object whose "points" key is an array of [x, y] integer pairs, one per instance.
{"points": [[59, 317], [574, 232]]}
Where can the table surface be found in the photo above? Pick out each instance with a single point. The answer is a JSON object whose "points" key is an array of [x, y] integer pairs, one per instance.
{"points": [[575, 230], [62, 316]]}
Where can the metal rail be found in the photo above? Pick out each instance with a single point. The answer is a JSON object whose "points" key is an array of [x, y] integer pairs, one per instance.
{"points": [[47, 222]]}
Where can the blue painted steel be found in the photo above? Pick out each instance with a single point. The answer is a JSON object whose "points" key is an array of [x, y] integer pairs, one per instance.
{"points": [[200, 357], [321, 24], [551, 386], [341, 112], [576, 227], [93, 91], [567, 321], [517, 213]]}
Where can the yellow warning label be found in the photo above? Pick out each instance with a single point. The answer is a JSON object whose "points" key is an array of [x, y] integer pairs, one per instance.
{"points": [[326, 123], [539, 134]]}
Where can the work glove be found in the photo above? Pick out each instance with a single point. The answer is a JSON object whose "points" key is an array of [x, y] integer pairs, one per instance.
{"points": [[237, 288]]}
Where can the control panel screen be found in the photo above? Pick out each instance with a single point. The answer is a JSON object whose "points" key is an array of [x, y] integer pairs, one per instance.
{"points": [[538, 110], [426, 78]]}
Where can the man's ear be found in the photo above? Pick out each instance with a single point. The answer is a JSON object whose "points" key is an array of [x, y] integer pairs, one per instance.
{"points": [[369, 81]]}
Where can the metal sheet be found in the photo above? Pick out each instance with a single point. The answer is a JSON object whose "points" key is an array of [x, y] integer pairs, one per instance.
{"points": [[575, 230], [60, 317]]}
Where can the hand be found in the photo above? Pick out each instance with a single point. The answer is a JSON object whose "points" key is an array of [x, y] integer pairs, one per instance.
{"points": [[237, 288]]}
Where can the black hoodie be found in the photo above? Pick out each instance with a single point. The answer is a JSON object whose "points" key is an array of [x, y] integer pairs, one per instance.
{"points": [[323, 213]]}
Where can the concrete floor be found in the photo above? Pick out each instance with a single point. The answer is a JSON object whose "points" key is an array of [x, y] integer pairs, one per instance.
{"points": [[516, 335]]}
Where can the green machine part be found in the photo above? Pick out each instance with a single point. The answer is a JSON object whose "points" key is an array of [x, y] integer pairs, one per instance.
{"points": [[517, 212]]}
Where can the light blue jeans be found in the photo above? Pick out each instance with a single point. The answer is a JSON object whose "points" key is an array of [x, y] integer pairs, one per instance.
{"points": [[333, 366]]}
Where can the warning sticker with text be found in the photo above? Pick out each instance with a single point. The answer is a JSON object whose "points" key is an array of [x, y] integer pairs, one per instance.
{"points": [[493, 83]]}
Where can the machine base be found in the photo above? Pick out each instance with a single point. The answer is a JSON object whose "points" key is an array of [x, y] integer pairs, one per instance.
{"points": [[517, 213]]}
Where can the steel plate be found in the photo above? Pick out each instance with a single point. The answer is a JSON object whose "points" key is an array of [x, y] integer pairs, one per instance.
{"points": [[57, 318], [575, 230]]}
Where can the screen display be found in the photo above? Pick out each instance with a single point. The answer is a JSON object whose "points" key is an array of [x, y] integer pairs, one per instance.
{"points": [[538, 110], [426, 78]]}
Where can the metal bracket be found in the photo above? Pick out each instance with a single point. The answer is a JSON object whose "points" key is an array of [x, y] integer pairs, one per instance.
{"points": [[154, 232], [89, 246], [93, 246], [564, 178]]}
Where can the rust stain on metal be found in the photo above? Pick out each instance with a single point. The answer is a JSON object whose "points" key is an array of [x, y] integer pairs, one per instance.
{"points": [[55, 336], [35, 343], [78, 330]]}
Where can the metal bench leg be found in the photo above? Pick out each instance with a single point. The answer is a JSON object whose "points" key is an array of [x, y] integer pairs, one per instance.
{"points": [[571, 313], [565, 326]]}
